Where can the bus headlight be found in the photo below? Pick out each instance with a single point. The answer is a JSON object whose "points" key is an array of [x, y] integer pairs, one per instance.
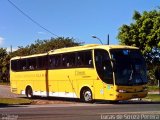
{"points": [[121, 91]]}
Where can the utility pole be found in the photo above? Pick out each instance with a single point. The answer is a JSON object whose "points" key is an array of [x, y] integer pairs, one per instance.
{"points": [[11, 48], [108, 39]]}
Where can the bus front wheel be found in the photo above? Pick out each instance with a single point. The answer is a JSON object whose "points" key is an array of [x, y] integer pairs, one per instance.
{"points": [[29, 92], [86, 95]]}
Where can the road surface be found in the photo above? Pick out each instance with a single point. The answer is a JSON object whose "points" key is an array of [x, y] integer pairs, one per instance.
{"points": [[79, 111], [5, 92], [82, 111]]}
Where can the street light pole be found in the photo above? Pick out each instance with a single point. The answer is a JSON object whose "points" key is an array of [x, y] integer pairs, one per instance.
{"points": [[108, 39], [97, 39]]}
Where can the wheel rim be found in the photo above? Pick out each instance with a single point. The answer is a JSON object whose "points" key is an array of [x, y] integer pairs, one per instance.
{"points": [[87, 95]]}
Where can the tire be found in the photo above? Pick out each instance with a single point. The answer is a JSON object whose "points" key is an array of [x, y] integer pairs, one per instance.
{"points": [[29, 92], [87, 95]]}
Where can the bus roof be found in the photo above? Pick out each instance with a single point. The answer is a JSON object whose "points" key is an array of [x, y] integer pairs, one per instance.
{"points": [[78, 48], [91, 46], [28, 56]]}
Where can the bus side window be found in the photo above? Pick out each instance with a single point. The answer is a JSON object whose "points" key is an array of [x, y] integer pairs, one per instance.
{"points": [[31, 63], [68, 60], [64, 61], [103, 65], [58, 61], [55, 61], [79, 59], [51, 62], [41, 64], [23, 65], [71, 59], [84, 59], [90, 62], [88, 58], [14, 65]]}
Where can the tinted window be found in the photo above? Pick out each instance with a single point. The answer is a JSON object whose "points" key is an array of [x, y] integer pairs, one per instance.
{"points": [[42, 62], [71, 60], [55, 61], [22, 64], [32, 65], [103, 66], [84, 59], [61, 61], [130, 67], [35, 63], [14, 65], [68, 60]]}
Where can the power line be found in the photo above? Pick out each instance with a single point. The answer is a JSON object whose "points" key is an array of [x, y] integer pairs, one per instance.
{"points": [[35, 22]]}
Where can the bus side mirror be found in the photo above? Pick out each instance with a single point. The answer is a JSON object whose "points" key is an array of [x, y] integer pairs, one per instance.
{"points": [[114, 64]]}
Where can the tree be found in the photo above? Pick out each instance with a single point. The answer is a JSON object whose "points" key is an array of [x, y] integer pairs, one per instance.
{"points": [[42, 46], [144, 33], [4, 65]]}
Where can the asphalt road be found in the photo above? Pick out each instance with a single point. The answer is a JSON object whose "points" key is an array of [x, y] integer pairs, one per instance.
{"points": [[132, 110], [5, 92], [82, 111]]}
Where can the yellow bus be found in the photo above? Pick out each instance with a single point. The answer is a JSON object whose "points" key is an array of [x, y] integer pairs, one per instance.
{"points": [[89, 72]]}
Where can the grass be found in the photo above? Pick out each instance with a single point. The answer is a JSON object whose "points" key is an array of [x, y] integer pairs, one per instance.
{"points": [[153, 97], [153, 88], [14, 101]]}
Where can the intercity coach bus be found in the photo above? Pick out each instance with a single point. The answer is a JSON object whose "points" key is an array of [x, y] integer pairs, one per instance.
{"points": [[89, 72]]}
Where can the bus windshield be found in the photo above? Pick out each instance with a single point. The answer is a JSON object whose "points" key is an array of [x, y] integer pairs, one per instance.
{"points": [[129, 67]]}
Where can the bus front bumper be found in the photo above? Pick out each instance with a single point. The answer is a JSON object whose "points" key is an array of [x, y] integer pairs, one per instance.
{"points": [[127, 96]]}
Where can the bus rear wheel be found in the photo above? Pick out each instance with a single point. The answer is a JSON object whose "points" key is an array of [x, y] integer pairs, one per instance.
{"points": [[86, 95], [29, 92]]}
